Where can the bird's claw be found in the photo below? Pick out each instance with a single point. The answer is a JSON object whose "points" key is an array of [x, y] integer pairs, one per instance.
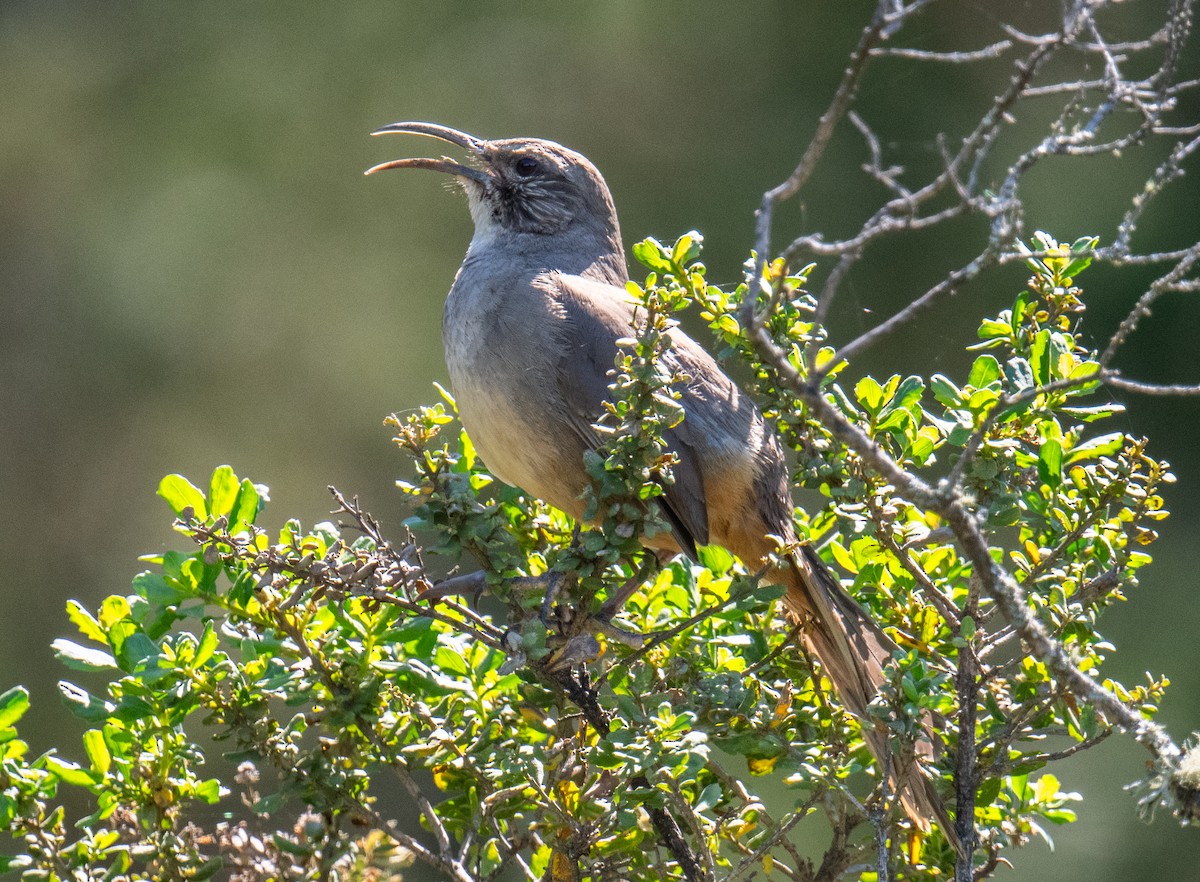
{"points": [[473, 584]]}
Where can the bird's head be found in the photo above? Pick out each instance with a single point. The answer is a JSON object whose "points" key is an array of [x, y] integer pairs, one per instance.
{"points": [[519, 185]]}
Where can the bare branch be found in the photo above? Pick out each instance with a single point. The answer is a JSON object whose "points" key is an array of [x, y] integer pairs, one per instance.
{"points": [[1005, 768], [994, 50], [1118, 382], [683, 809], [1102, 115], [885, 176], [1141, 309], [1168, 171], [887, 17], [966, 775]]}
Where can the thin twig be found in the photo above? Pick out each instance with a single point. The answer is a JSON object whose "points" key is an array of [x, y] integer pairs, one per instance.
{"points": [[995, 50]]}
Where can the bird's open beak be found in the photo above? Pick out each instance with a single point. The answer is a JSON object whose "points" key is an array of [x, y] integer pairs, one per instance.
{"points": [[444, 164]]}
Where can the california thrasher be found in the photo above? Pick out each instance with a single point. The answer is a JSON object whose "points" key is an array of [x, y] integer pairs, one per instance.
{"points": [[530, 330]]}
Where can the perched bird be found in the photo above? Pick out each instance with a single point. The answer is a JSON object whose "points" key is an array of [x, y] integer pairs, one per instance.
{"points": [[530, 330]]}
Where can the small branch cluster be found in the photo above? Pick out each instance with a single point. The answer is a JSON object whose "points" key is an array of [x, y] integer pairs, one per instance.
{"points": [[1100, 116], [1106, 113]]}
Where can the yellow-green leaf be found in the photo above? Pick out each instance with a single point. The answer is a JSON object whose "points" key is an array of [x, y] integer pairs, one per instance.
{"points": [[181, 494], [97, 751]]}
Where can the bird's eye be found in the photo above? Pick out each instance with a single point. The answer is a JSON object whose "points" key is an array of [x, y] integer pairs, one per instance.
{"points": [[526, 166]]}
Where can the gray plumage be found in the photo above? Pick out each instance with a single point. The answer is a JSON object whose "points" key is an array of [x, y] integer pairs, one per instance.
{"points": [[530, 330]]}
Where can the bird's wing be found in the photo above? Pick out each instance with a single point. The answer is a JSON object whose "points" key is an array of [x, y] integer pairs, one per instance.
{"points": [[594, 316]]}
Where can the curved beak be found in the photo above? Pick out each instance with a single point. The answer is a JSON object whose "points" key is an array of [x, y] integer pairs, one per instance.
{"points": [[444, 164]]}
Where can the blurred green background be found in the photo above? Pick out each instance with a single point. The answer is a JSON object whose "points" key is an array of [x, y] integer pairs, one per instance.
{"points": [[195, 271]]}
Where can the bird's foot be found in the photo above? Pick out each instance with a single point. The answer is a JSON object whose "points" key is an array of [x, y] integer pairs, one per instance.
{"points": [[621, 596], [579, 650], [464, 585], [625, 637]]}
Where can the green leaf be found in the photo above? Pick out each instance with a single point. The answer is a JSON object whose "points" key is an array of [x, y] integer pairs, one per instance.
{"points": [[208, 643], [990, 329], [945, 391], [13, 704], [1058, 355], [987, 792], [208, 869], [967, 627], [981, 400], [1081, 370], [247, 505], [533, 637], [181, 494], [418, 637], [1059, 815], [222, 491], [1018, 312], [1040, 357], [132, 708], [450, 660], [709, 797], [715, 558], [209, 791], [687, 249], [1033, 263], [84, 621], [1019, 374], [83, 704], [907, 393], [1079, 264], [1050, 462], [445, 395], [928, 621], [923, 445], [71, 773], [157, 590], [1104, 445], [845, 561], [113, 609], [891, 418], [1043, 241], [984, 372], [97, 751], [958, 435], [1092, 414], [81, 658], [843, 402], [1045, 788], [652, 255], [869, 394], [729, 324], [135, 649]]}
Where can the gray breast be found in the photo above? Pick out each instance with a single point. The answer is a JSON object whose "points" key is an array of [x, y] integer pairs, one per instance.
{"points": [[500, 374]]}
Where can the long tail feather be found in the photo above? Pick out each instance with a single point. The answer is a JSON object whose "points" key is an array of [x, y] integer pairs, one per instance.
{"points": [[853, 651]]}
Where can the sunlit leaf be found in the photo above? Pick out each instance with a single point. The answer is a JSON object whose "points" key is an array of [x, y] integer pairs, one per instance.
{"points": [[182, 495], [14, 703], [984, 371], [82, 658]]}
